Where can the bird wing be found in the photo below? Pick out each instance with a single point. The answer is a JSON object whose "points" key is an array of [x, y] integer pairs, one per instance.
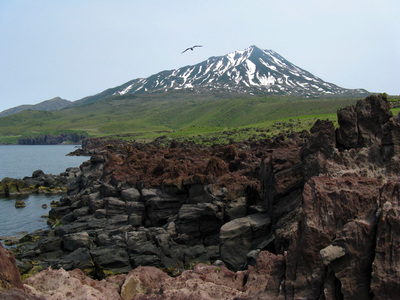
{"points": [[191, 48]]}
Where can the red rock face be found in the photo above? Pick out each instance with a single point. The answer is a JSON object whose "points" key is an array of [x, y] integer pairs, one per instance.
{"points": [[385, 276], [9, 274], [339, 212]]}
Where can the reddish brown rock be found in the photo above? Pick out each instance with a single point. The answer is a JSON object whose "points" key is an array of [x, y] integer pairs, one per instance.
{"points": [[385, 276], [9, 274], [11, 287], [263, 281], [361, 126], [60, 284], [329, 204]]}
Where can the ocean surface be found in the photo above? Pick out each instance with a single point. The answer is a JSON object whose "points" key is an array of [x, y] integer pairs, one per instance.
{"points": [[20, 161]]}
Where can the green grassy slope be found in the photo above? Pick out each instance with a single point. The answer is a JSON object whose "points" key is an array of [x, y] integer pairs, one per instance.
{"points": [[176, 114]]}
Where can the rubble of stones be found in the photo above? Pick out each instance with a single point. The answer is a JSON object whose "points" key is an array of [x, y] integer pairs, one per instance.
{"points": [[312, 216]]}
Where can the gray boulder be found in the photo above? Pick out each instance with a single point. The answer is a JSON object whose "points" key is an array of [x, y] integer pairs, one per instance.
{"points": [[161, 208], [114, 260], [199, 222], [130, 194], [241, 235], [114, 206], [77, 240]]}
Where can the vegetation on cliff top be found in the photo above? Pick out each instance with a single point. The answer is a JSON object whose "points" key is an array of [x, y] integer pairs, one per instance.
{"points": [[179, 114]]}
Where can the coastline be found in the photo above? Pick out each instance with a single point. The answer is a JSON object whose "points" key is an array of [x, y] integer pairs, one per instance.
{"points": [[290, 217]]}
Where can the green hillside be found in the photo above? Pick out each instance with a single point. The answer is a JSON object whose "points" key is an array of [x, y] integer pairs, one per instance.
{"points": [[175, 114]]}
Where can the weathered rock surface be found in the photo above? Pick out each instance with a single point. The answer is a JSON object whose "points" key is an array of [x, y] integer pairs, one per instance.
{"points": [[312, 216]]}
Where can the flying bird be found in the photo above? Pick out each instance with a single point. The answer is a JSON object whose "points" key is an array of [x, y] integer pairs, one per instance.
{"points": [[191, 48]]}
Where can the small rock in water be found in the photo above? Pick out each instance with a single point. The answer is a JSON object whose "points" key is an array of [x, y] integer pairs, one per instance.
{"points": [[44, 206], [19, 204]]}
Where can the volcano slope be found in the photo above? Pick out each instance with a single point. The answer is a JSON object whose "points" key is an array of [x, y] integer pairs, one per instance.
{"points": [[308, 216]]}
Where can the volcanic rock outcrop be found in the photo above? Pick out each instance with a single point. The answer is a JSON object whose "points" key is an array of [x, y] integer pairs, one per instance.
{"points": [[310, 216]]}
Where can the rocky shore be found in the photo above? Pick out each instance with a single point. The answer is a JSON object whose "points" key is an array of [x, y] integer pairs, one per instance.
{"points": [[313, 215], [40, 183]]}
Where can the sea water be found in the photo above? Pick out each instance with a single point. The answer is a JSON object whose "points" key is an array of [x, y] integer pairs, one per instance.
{"points": [[20, 161]]}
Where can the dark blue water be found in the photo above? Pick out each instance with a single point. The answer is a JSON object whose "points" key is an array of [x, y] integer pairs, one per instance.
{"points": [[21, 161]]}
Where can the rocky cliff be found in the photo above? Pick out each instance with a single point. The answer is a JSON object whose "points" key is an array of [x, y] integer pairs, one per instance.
{"points": [[50, 139], [308, 216]]}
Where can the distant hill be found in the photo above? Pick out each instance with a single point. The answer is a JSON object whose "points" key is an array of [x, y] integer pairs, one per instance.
{"points": [[48, 105]]}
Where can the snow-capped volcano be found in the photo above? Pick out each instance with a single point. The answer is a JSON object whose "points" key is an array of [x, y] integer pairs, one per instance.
{"points": [[252, 70]]}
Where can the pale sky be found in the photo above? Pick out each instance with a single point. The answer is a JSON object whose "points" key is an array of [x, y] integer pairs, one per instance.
{"points": [[77, 48]]}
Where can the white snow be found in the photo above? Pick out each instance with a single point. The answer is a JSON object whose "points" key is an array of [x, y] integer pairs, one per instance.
{"points": [[272, 67], [139, 88], [251, 69], [218, 66], [209, 68], [127, 89], [266, 80]]}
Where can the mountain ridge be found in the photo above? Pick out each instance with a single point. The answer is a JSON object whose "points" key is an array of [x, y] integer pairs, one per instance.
{"points": [[248, 71], [55, 103], [251, 70]]}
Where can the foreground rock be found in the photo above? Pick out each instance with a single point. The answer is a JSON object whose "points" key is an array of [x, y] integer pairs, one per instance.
{"points": [[203, 282], [311, 216]]}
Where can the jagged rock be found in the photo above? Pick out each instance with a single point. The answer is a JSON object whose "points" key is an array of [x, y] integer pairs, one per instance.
{"points": [[281, 176], [385, 275], [318, 148], [357, 239], [347, 133], [328, 205], [361, 126], [241, 235]]}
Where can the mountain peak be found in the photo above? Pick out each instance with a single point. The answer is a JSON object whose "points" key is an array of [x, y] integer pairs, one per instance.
{"points": [[251, 70]]}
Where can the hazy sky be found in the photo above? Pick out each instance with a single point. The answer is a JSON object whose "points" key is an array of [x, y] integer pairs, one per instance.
{"points": [[77, 48]]}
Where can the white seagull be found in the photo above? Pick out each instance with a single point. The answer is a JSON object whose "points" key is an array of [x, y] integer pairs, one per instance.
{"points": [[191, 48]]}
